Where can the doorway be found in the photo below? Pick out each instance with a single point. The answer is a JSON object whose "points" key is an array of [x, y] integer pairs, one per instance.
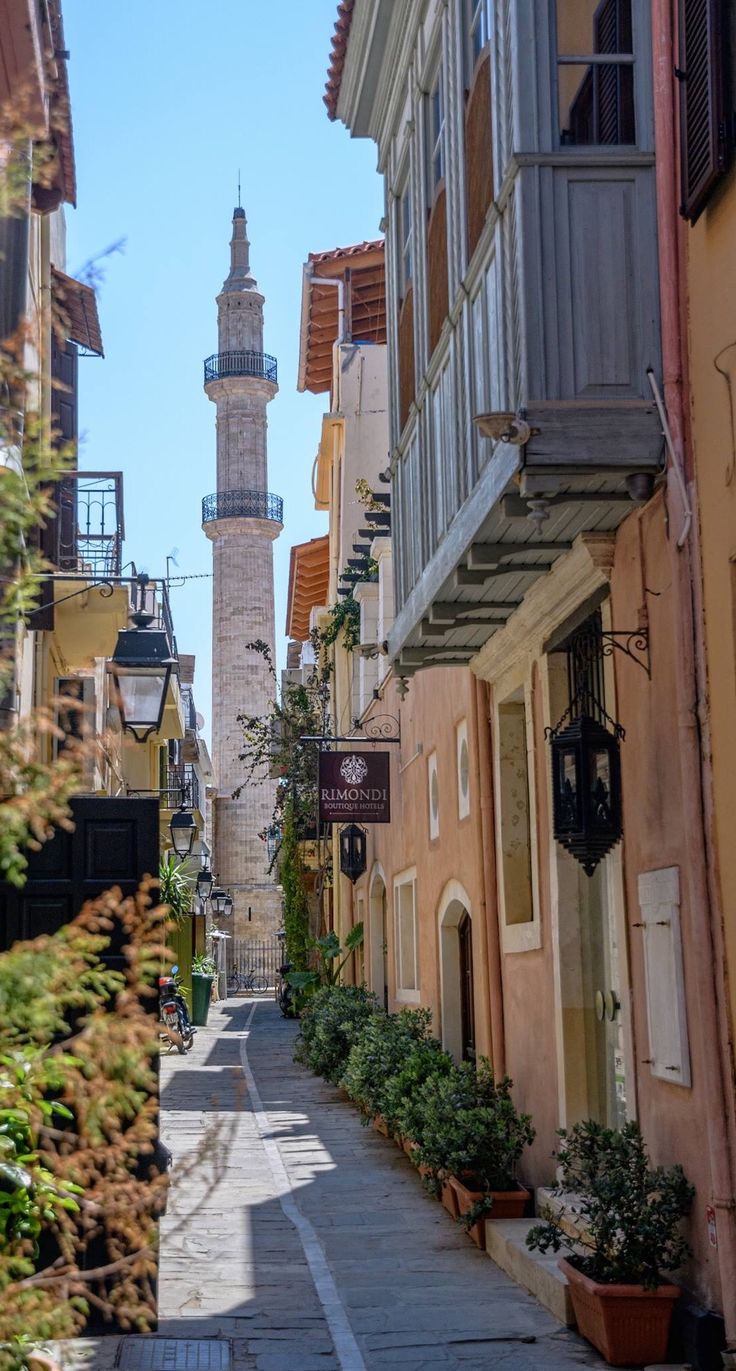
{"points": [[457, 997], [590, 950], [378, 938]]}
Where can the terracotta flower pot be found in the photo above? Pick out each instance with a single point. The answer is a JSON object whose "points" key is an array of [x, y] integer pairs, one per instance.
{"points": [[449, 1197], [380, 1125], [409, 1147], [628, 1324], [507, 1204]]}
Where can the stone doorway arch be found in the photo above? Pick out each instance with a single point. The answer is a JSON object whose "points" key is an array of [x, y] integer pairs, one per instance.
{"points": [[378, 935], [457, 1007]]}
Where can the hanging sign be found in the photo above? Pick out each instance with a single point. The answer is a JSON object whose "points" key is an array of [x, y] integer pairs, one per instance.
{"points": [[354, 787]]}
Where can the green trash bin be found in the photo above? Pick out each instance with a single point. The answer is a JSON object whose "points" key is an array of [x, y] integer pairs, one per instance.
{"points": [[201, 996]]}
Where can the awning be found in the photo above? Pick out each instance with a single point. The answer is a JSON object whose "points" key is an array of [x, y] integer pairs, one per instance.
{"points": [[75, 312]]}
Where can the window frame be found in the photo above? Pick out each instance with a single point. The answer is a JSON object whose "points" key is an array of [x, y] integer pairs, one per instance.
{"points": [[635, 59], [435, 127], [476, 19], [527, 936], [405, 994]]}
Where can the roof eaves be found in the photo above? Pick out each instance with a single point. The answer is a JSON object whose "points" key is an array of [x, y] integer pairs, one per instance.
{"points": [[340, 39]]}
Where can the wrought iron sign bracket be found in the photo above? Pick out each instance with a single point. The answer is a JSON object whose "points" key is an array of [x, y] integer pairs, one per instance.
{"points": [[633, 642], [380, 728]]}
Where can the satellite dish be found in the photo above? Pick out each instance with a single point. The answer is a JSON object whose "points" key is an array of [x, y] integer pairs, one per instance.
{"points": [[200, 720]]}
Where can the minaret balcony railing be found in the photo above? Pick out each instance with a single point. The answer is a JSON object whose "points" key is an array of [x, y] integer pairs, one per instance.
{"points": [[242, 504], [222, 364]]}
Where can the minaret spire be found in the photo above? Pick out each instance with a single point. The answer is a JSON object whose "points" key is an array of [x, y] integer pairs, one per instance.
{"points": [[240, 277]]}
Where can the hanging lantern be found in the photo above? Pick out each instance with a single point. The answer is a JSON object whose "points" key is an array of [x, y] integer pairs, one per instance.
{"points": [[183, 832], [586, 789], [218, 898], [352, 851], [205, 882]]}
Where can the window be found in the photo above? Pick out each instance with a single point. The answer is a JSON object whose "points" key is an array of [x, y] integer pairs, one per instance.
{"points": [[436, 136], [406, 241], [407, 979], [463, 770], [516, 838], [477, 31], [433, 796], [703, 75], [595, 72]]}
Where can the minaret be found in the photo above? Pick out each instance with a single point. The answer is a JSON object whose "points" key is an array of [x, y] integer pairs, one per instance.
{"points": [[242, 520]]}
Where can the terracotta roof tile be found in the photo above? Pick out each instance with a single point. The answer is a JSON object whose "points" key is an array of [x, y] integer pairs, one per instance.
{"points": [[337, 56], [355, 250]]}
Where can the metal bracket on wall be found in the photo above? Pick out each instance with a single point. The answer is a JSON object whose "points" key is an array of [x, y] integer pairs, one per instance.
{"points": [[633, 642], [380, 728]]}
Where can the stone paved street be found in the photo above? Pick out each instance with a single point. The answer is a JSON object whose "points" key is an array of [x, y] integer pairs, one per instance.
{"points": [[315, 1247]]}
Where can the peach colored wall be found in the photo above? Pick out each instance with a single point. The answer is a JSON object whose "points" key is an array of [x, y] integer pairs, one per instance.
{"points": [[437, 701], [661, 826]]}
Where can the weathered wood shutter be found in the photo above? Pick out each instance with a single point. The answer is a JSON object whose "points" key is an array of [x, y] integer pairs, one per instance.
{"points": [[702, 75]]}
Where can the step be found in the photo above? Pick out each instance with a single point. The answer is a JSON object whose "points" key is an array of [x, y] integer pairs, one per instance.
{"points": [[538, 1272]]}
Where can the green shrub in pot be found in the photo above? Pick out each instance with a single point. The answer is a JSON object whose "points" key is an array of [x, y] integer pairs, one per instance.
{"points": [[379, 1054], [403, 1097], [629, 1212], [330, 1024], [471, 1129]]}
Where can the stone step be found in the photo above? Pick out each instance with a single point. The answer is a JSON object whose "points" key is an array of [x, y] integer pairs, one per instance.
{"points": [[536, 1272]]}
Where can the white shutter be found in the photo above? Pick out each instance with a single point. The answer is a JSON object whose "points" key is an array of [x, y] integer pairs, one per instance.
{"points": [[659, 901]]}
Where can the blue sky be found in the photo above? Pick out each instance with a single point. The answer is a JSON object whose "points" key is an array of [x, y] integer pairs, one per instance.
{"points": [[169, 98]]}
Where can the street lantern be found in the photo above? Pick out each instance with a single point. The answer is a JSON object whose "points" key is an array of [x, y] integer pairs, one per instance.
{"points": [[141, 667], [183, 832], [586, 789], [204, 883], [352, 851], [228, 907], [218, 899]]}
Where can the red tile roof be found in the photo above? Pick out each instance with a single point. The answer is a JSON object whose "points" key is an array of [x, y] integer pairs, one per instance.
{"points": [[355, 250], [337, 56]]}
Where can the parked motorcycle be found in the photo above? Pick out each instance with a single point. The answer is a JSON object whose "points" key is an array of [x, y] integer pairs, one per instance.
{"points": [[174, 1014]]}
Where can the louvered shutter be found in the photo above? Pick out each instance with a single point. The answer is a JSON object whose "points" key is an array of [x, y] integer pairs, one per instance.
{"points": [[702, 76]]}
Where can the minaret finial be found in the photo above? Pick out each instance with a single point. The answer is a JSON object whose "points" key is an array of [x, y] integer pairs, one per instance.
{"points": [[239, 203]]}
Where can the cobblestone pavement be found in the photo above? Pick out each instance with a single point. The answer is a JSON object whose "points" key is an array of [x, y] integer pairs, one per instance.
{"points": [[308, 1240]]}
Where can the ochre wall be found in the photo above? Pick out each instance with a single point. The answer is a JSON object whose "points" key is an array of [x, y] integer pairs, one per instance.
{"points": [[712, 338]]}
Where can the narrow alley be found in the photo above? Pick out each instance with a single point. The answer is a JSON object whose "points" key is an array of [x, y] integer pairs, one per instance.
{"points": [[313, 1245]]}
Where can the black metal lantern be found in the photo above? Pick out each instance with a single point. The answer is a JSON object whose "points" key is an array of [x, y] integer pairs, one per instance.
{"points": [[273, 840], [228, 906], [352, 851], [205, 882], [586, 789], [218, 899], [183, 832]]}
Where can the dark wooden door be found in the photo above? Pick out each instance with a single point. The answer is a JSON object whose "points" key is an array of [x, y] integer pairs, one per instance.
{"points": [[467, 1005], [114, 842]]}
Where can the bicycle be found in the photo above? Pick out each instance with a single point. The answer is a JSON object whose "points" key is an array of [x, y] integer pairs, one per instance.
{"points": [[252, 981]]}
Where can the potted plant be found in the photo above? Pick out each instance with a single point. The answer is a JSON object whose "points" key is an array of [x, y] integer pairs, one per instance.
{"points": [[332, 1021], [377, 1057], [403, 1095], [204, 972], [471, 1140], [629, 1216]]}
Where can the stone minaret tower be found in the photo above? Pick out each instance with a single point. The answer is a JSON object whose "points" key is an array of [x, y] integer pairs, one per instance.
{"points": [[242, 520]]}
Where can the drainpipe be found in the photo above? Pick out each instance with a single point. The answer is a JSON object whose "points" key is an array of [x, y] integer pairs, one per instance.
{"points": [[704, 910], [488, 876]]}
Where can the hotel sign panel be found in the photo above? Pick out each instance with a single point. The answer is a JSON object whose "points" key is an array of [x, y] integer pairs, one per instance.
{"points": [[354, 787]]}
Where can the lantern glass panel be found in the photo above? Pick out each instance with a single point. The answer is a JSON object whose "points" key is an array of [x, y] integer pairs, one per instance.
{"points": [[569, 803], [141, 697], [600, 790]]}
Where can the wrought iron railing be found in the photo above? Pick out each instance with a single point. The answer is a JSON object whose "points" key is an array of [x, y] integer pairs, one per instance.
{"points": [[182, 786], [89, 527], [242, 504], [222, 364]]}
